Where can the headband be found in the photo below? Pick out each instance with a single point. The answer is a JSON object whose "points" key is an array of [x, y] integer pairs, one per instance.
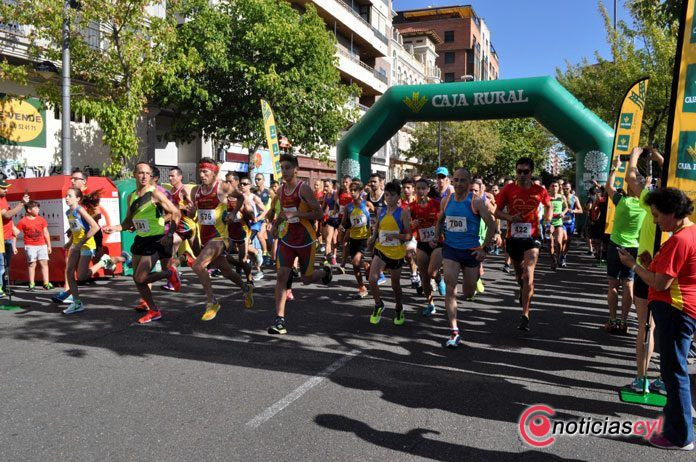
{"points": [[212, 167]]}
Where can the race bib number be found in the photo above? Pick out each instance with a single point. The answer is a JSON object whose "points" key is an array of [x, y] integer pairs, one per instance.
{"points": [[333, 214], [75, 226], [456, 224], [141, 226], [341, 209], [427, 234], [373, 221], [206, 217], [292, 210], [522, 230], [387, 241], [358, 221]]}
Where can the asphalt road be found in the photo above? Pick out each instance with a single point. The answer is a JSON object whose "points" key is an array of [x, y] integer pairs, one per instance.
{"points": [[97, 386]]}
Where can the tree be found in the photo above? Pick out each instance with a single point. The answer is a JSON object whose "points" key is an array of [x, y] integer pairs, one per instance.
{"points": [[117, 50], [236, 52], [488, 148], [645, 48]]}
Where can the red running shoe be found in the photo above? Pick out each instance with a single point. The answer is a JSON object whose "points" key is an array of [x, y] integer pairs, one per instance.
{"points": [[174, 280], [142, 306], [151, 315], [289, 296]]}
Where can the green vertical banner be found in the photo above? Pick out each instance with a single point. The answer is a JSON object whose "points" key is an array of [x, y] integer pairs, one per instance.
{"points": [[627, 136], [271, 137]]}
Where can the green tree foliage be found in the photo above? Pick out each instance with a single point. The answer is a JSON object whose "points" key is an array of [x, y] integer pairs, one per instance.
{"points": [[488, 148], [116, 51], [236, 52], [647, 47]]}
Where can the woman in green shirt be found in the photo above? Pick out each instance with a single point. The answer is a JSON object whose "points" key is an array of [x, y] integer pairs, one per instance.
{"points": [[559, 207]]}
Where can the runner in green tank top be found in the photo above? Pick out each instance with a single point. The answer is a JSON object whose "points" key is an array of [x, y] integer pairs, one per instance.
{"points": [[559, 207]]}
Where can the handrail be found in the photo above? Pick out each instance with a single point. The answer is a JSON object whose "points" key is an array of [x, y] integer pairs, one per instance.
{"points": [[379, 35]]}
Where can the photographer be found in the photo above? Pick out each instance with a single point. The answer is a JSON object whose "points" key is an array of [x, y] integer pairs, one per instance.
{"points": [[671, 278]]}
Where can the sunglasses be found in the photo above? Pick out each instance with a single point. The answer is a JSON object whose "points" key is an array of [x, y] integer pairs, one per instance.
{"points": [[523, 171], [441, 177]]}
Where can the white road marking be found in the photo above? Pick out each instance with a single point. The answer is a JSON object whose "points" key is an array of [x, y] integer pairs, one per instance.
{"points": [[297, 393]]}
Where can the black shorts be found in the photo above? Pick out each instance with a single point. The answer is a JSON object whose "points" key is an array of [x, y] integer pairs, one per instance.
{"points": [[390, 263], [334, 222], [425, 247], [640, 288], [616, 269], [99, 239], [516, 247], [596, 231], [146, 246], [356, 245]]}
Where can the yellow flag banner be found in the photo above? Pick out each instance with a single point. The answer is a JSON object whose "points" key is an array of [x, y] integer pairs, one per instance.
{"points": [[627, 137], [680, 148], [271, 137]]}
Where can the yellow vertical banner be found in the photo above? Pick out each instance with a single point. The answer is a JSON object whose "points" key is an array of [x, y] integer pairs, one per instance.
{"points": [[627, 136], [680, 148], [271, 137]]}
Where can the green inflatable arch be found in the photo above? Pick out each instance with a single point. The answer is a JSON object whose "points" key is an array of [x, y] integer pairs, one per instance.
{"points": [[540, 97]]}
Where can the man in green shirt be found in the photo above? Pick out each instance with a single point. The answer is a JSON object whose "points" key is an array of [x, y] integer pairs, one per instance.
{"points": [[628, 219]]}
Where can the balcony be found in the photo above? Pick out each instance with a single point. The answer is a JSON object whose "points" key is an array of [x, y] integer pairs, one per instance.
{"points": [[347, 21], [371, 81]]}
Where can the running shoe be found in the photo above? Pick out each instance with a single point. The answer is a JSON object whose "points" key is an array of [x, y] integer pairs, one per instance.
{"points": [[399, 317], [288, 295], [362, 293], [554, 263], [58, 298], [267, 261], [479, 286], [31, 287], [321, 249], [141, 306], [189, 261], [211, 310], [382, 279], [441, 288], [174, 279], [168, 287], [108, 263], [658, 386], [48, 286], [621, 327], [524, 323], [278, 326], [258, 276], [563, 261], [333, 260], [638, 384], [454, 340], [377, 313], [75, 307], [610, 325], [415, 281], [506, 268], [128, 259], [215, 273], [248, 290], [661, 442], [150, 315], [68, 300], [295, 273], [428, 310], [328, 275]]}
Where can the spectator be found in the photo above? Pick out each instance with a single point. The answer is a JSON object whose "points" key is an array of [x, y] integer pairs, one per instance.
{"points": [[671, 278], [37, 243]]}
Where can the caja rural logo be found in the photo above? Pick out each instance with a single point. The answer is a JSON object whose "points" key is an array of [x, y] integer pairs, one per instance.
{"points": [[416, 102], [686, 156], [537, 428]]}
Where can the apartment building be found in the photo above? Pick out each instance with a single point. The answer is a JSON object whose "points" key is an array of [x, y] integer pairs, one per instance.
{"points": [[466, 47]]}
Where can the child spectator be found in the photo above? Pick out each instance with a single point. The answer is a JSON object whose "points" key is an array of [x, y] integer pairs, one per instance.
{"points": [[37, 242]]}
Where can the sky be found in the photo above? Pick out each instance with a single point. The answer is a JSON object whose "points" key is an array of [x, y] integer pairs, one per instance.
{"points": [[534, 37]]}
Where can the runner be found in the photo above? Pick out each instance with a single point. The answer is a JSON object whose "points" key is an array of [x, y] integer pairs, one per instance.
{"points": [[330, 208], [375, 197], [237, 229], [255, 224], [318, 190], [460, 219], [444, 188], [298, 240], [357, 217], [479, 191], [574, 208], [424, 214], [344, 198], [559, 208], [265, 195], [524, 233], [185, 236], [147, 208], [392, 229], [408, 197], [80, 246], [210, 201]]}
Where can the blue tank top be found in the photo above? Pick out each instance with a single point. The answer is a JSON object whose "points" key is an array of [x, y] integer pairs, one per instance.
{"points": [[330, 202], [570, 216], [462, 223]]}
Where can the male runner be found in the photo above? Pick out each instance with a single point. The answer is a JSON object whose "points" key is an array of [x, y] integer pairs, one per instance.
{"points": [[574, 208], [187, 226], [523, 240], [460, 219], [147, 207], [238, 229], [298, 240], [375, 197], [444, 188], [265, 195], [408, 197], [558, 238], [210, 201], [357, 221]]}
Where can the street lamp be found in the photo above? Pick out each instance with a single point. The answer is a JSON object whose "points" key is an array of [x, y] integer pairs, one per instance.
{"points": [[464, 78]]}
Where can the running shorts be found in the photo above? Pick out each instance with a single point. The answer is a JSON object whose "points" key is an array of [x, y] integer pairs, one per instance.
{"points": [[616, 269], [516, 247], [425, 247], [146, 246], [464, 257], [356, 245], [305, 255], [390, 263]]}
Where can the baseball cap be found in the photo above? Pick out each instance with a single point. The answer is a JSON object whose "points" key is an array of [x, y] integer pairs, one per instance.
{"points": [[4, 184], [442, 171]]}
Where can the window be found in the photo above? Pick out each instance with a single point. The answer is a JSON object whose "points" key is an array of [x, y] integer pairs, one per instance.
{"points": [[449, 57], [449, 36], [449, 76]]}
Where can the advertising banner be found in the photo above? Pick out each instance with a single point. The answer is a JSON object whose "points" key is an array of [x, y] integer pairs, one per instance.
{"points": [[271, 136], [22, 122]]}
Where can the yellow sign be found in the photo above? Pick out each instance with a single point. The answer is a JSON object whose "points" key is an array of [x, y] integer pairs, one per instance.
{"points": [[271, 137], [680, 151], [626, 137], [415, 103], [22, 122]]}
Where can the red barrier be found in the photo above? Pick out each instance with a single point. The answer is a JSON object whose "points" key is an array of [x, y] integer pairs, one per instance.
{"points": [[50, 193]]}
